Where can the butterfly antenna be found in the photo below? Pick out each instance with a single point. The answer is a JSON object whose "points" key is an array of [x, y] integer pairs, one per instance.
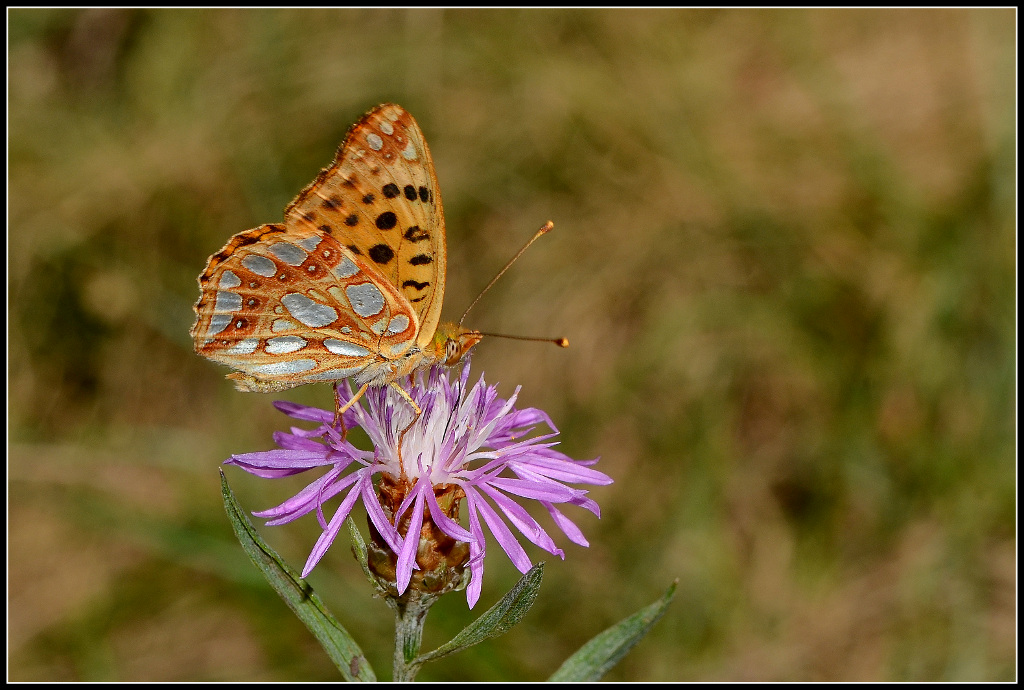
{"points": [[544, 230], [560, 342]]}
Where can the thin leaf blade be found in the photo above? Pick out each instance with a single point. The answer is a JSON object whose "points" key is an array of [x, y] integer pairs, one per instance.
{"points": [[600, 654], [298, 594], [498, 619]]}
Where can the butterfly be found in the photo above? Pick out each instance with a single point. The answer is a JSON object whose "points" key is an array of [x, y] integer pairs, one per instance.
{"points": [[350, 285]]}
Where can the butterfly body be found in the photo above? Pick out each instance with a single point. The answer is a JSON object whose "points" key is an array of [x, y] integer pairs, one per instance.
{"points": [[350, 285]]}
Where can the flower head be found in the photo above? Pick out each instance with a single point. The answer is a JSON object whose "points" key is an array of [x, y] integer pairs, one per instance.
{"points": [[467, 443]]}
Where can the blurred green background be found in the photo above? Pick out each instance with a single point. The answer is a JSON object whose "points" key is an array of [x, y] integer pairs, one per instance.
{"points": [[784, 254]]}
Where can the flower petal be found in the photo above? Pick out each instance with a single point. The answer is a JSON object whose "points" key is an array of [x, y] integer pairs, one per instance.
{"points": [[566, 470], [407, 556], [328, 536], [567, 526], [501, 532], [375, 512], [541, 491], [477, 550], [523, 521], [280, 463], [445, 523], [312, 496]]}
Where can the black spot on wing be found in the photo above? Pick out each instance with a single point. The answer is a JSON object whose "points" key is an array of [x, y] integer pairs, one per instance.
{"points": [[414, 234], [381, 253]]}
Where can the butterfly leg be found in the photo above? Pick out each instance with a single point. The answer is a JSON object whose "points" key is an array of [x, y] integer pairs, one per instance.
{"points": [[339, 419], [408, 398], [416, 409], [339, 409]]}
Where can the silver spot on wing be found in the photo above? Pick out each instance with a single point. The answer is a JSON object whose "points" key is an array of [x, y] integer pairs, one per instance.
{"points": [[218, 323], [398, 324], [365, 298], [284, 344], [244, 347], [333, 374], [310, 313], [345, 348], [291, 366], [227, 302], [260, 265], [346, 269], [288, 253], [228, 280]]}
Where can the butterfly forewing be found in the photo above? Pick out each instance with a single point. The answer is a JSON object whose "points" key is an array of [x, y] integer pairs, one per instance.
{"points": [[380, 199]]}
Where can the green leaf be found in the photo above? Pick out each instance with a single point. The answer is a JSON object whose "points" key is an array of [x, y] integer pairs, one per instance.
{"points": [[358, 545], [498, 619], [604, 651], [359, 551], [297, 593]]}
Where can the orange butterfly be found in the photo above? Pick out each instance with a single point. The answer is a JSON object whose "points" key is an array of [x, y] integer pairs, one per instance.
{"points": [[350, 285]]}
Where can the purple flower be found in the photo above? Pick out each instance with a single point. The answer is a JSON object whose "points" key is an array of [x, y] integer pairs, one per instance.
{"points": [[467, 442]]}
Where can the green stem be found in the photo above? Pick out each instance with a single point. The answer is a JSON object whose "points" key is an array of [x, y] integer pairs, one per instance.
{"points": [[410, 615]]}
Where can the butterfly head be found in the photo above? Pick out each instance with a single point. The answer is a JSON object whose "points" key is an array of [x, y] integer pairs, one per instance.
{"points": [[452, 342]]}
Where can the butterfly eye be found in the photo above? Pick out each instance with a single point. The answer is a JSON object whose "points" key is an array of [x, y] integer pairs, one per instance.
{"points": [[451, 351]]}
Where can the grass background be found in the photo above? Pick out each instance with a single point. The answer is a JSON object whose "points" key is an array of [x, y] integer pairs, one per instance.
{"points": [[784, 255]]}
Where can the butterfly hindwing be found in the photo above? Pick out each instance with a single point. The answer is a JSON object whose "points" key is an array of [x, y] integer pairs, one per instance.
{"points": [[380, 199], [292, 305]]}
